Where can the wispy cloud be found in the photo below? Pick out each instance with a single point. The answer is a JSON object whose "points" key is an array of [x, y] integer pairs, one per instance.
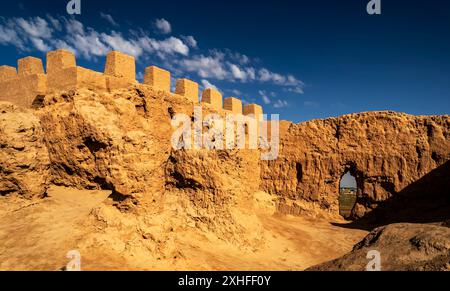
{"points": [[8, 36], [40, 45], [280, 104], [206, 84], [163, 26], [296, 89], [180, 54], [289, 81], [220, 66], [264, 97], [38, 33], [206, 66], [241, 73], [236, 92], [190, 41], [109, 19], [169, 46], [35, 27]]}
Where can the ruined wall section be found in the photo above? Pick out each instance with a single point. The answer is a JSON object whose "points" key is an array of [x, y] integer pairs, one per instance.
{"points": [[24, 158], [387, 153], [22, 86]]}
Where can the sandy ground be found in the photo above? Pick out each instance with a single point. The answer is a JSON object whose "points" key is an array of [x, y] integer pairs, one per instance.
{"points": [[294, 243], [36, 235]]}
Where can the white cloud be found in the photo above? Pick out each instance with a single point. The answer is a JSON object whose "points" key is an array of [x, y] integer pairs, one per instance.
{"points": [[40, 45], [118, 43], [26, 34], [140, 76], [109, 18], [9, 36], [296, 90], [35, 27], [251, 73], [243, 59], [85, 42], [206, 67], [280, 104], [267, 76], [56, 24], [292, 81], [190, 41], [37, 33], [293, 84], [44, 34], [236, 92], [217, 66], [61, 44], [163, 26], [206, 84], [169, 46], [236, 57], [238, 73], [264, 97], [242, 74], [89, 46], [74, 26]]}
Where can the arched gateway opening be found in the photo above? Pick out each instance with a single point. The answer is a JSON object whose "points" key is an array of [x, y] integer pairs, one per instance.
{"points": [[347, 195]]}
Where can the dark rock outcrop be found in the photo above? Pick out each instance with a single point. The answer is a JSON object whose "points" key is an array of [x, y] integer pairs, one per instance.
{"points": [[402, 247]]}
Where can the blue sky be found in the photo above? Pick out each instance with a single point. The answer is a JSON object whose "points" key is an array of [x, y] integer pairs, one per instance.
{"points": [[348, 181], [300, 59]]}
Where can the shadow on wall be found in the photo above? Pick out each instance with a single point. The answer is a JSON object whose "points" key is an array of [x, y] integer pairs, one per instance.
{"points": [[425, 201]]}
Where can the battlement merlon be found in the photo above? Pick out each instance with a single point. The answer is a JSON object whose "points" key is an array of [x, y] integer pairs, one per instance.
{"points": [[63, 74], [59, 60], [233, 104], [23, 85], [157, 78], [120, 65], [213, 97], [30, 66], [188, 89], [120, 70], [7, 73], [254, 110]]}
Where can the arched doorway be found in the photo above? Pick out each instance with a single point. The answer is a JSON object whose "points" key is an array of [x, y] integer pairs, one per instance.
{"points": [[347, 195]]}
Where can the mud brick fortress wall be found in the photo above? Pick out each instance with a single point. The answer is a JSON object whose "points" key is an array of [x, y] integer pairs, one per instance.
{"points": [[391, 155], [29, 82]]}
